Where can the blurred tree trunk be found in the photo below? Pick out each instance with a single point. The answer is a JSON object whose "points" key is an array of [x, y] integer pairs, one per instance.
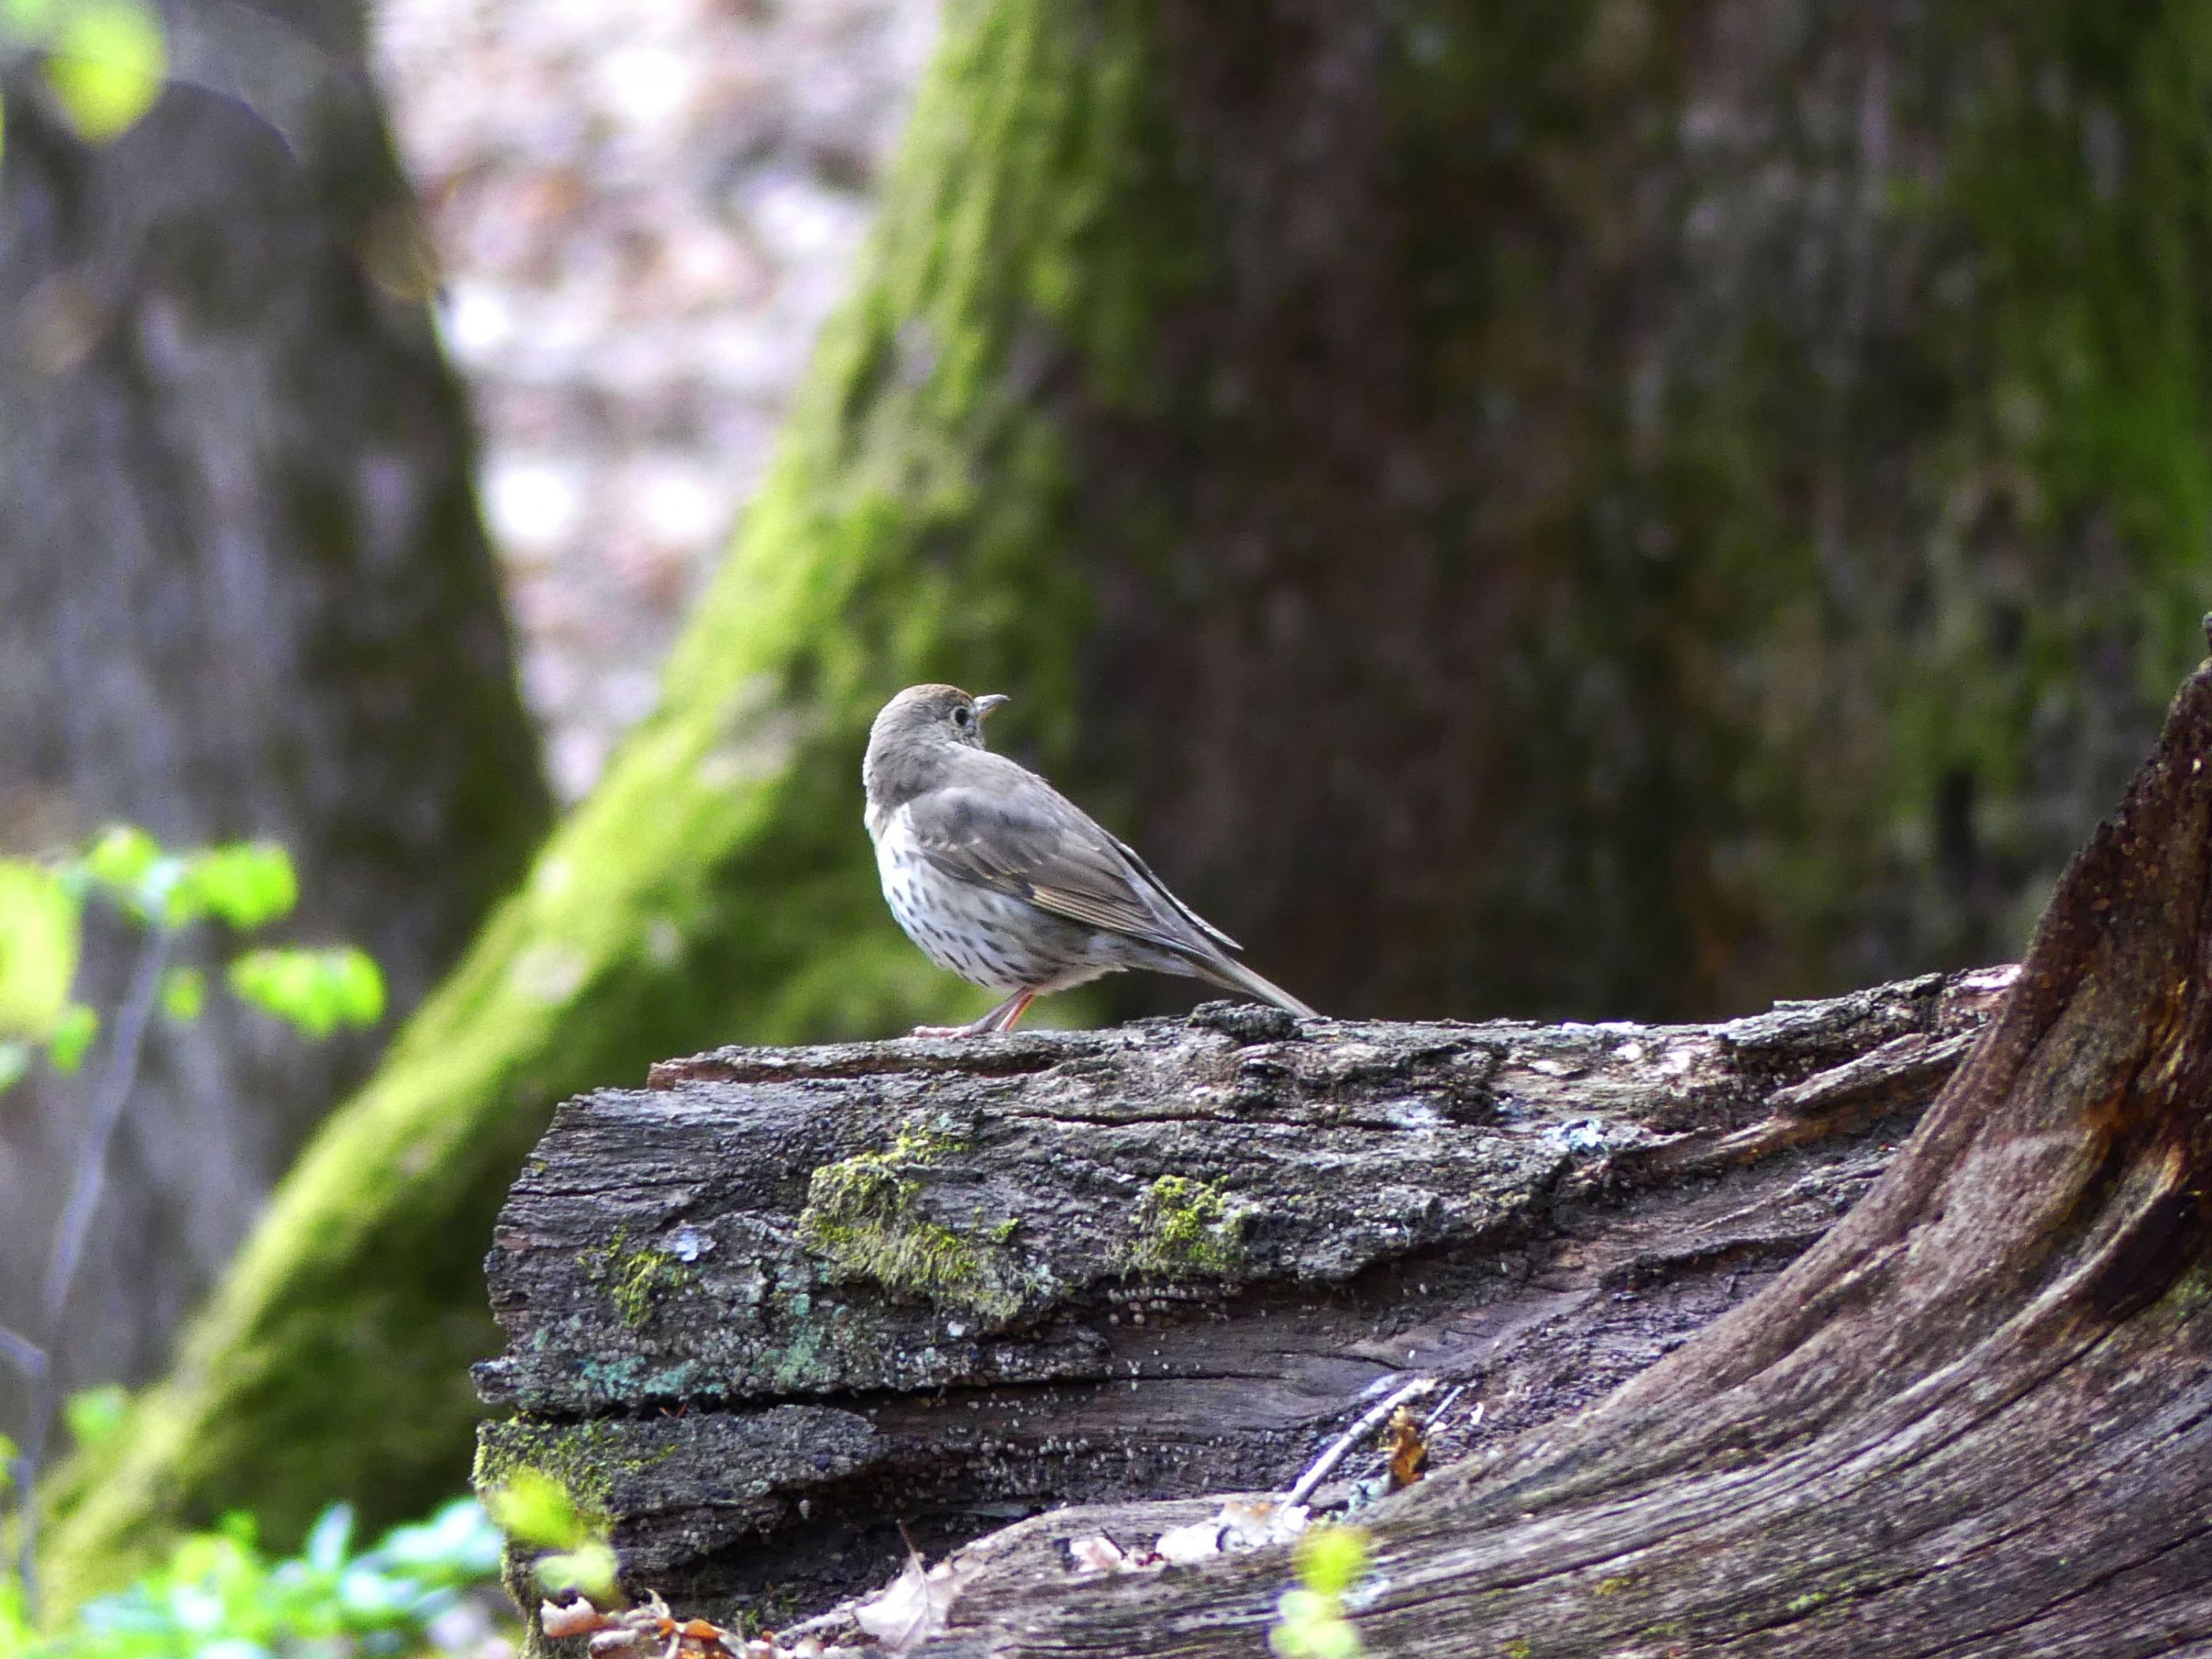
{"points": [[1605, 508], [243, 592]]}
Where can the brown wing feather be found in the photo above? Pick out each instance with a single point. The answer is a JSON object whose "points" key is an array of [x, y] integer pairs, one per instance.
{"points": [[1011, 830]]}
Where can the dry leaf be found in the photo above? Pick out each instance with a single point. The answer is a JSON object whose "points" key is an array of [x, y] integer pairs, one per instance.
{"points": [[1409, 1452], [573, 1618], [1098, 1553], [1181, 1545], [1250, 1523], [911, 1609]]}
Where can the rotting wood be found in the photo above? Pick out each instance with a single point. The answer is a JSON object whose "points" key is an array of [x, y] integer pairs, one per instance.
{"points": [[781, 1301]]}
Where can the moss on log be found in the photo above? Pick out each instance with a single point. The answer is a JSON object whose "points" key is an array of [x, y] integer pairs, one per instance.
{"points": [[1076, 1267], [1971, 1419]]}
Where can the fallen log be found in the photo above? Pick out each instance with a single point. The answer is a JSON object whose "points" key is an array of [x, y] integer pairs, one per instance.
{"points": [[781, 1299], [767, 1310]]}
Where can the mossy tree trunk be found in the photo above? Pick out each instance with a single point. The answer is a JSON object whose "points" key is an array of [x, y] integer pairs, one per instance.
{"points": [[243, 592], [1609, 507]]}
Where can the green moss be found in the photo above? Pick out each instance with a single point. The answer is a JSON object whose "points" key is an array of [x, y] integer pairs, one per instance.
{"points": [[1185, 1227], [866, 1215], [1611, 1586], [634, 1278], [573, 1454], [1800, 1605], [1518, 1648]]}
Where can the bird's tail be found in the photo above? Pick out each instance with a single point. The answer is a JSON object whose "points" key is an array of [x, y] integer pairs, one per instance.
{"points": [[1233, 975]]}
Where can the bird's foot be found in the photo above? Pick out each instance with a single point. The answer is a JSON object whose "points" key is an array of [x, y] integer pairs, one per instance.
{"points": [[944, 1031]]}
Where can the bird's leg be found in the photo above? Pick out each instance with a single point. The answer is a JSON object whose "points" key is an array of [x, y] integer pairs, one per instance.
{"points": [[1000, 1018]]}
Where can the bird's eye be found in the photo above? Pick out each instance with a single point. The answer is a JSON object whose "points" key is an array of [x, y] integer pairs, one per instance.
{"points": [[962, 717]]}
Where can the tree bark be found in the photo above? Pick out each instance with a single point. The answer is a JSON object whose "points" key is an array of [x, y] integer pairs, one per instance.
{"points": [[1972, 1417], [786, 1300], [243, 592], [1542, 510]]}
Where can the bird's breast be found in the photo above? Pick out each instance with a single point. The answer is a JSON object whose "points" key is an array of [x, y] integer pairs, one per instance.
{"points": [[988, 938]]}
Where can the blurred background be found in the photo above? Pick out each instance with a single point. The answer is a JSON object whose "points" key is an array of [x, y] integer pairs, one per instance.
{"points": [[1611, 509]]}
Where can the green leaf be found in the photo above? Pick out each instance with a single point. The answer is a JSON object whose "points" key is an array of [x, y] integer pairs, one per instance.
{"points": [[534, 1508], [248, 885], [317, 991], [94, 1415], [325, 1548], [15, 1060], [358, 985], [1330, 1559], [72, 1036], [589, 1569], [184, 995], [105, 64], [121, 857], [39, 940]]}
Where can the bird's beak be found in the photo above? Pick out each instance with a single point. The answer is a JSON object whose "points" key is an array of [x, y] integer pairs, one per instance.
{"points": [[986, 704]]}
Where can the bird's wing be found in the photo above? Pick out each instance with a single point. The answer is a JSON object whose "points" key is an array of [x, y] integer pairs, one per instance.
{"points": [[1160, 887], [1015, 832]]}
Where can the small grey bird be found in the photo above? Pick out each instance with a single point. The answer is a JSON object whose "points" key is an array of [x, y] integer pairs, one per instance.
{"points": [[1004, 881]]}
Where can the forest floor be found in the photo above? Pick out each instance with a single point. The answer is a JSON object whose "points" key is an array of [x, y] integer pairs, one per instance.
{"points": [[643, 215]]}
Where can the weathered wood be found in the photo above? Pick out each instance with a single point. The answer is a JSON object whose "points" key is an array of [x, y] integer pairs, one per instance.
{"points": [[784, 1300], [1975, 1418]]}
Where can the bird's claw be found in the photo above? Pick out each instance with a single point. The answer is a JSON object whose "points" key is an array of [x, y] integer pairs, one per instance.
{"points": [[942, 1031]]}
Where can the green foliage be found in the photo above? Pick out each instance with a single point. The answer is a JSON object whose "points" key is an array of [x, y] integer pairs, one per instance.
{"points": [[72, 1036], [93, 1415], [105, 59], [39, 940], [108, 59], [318, 991], [184, 995], [245, 885], [537, 1512], [1310, 1620], [248, 885], [219, 1596], [122, 858]]}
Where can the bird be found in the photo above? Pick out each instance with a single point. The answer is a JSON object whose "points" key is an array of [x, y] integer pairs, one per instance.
{"points": [[1003, 880]]}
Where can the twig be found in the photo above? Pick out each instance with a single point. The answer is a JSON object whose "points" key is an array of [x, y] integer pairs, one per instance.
{"points": [[1375, 1419], [26, 1356], [70, 1236]]}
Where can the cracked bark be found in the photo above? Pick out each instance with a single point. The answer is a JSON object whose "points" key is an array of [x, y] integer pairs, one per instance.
{"points": [[1970, 1417], [1168, 1258]]}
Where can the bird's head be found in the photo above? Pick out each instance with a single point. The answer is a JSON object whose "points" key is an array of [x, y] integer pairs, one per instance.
{"points": [[922, 721], [934, 713]]}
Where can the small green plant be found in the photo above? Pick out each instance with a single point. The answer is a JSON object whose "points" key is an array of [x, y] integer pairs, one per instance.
{"points": [[219, 1596], [102, 60], [537, 1512], [243, 887], [1309, 1620]]}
